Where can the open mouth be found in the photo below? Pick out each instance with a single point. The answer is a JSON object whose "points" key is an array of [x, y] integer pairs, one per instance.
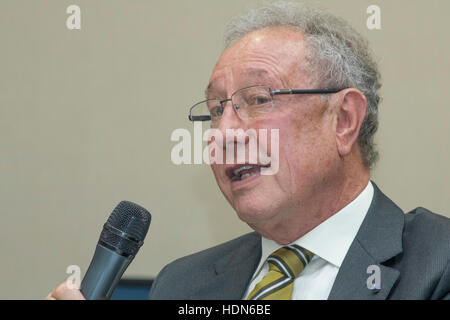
{"points": [[244, 171]]}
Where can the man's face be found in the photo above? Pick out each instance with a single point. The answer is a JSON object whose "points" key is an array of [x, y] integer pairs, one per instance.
{"points": [[276, 57]]}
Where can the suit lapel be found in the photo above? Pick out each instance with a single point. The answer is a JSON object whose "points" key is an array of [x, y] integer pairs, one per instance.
{"points": [[351, 281], [378, 240], [235, 270]]}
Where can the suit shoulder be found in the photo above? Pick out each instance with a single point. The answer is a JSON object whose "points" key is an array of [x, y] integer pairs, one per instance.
{"points": [[211, 254], [428, 227], [428, 221], [182, 278]]}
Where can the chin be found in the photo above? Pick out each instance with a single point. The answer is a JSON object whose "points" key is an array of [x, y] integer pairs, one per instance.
{"points": [[254, 210]]}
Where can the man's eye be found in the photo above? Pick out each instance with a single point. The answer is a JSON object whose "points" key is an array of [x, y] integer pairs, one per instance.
{"points": [[259, 100], [216, 111]]}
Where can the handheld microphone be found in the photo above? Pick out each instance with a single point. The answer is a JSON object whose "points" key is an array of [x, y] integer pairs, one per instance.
{"points": [[122, 236]]}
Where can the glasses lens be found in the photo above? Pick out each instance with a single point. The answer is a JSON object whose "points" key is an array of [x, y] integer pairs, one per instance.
{"points": [[253, 102]]}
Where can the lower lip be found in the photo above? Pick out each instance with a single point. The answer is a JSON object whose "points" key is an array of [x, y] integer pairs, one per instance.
{"points": [[238, 184]]}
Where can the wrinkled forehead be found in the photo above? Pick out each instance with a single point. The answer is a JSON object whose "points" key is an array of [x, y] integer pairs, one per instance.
{"points": [[272, 55]]}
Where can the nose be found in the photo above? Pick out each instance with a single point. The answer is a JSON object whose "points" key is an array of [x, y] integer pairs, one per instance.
{"points": [[233, 132], [230, 118]]}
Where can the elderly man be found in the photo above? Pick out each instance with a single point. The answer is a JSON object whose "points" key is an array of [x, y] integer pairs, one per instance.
{"points": [[323, 230]]}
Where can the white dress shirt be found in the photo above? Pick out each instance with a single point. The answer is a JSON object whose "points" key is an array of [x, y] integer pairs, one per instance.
{"points": [[329, 242]]}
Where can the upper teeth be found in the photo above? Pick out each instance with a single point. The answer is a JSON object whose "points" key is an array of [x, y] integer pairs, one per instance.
{"points": [[238, 171]]}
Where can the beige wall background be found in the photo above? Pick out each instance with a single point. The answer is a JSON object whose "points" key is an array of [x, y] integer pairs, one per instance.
{"points": [[86, 117]]}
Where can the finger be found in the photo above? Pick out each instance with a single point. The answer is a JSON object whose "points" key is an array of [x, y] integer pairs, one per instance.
{"points": [[67, 291], [49, 297]]}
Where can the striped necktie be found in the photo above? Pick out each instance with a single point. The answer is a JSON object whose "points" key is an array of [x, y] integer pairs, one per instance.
{"points": [[285, 265]]}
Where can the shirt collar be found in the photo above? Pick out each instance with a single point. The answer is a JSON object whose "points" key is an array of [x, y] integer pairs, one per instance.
{"points": [[331, 239]]}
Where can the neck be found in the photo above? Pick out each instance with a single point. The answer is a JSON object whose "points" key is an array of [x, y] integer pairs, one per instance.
{"points": [[318, 206]]}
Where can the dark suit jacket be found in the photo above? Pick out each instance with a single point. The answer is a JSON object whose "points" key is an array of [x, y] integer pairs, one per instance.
{"points": [[412, 252]]}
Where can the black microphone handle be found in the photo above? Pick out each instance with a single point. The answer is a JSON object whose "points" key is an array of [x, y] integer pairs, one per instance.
{"points": [[104, 273]]}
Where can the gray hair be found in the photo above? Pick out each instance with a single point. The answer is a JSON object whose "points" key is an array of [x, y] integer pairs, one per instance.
{"points": [[337, 57]]}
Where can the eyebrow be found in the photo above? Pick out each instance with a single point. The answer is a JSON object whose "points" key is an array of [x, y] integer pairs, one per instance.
{"points": [[208, 89]]}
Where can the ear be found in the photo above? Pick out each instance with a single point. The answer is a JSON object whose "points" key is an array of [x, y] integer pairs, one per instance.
{"points": [[351, 110]]}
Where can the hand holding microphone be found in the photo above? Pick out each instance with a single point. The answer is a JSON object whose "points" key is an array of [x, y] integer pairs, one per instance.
{"points": [[122, 236]]}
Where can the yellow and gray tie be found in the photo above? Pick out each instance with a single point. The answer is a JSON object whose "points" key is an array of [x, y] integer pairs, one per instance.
{"points": [[285, 265]]}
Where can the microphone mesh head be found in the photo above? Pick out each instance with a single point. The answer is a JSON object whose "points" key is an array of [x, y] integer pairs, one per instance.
{"points": [[131, 218], [126, 228]]}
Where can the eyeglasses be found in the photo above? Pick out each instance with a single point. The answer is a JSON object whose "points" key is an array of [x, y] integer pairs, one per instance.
{"points": [[249, 103]]}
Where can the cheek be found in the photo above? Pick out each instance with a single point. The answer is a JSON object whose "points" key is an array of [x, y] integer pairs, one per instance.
{"points": [[306, 150], [216, 169], [221, 180]]}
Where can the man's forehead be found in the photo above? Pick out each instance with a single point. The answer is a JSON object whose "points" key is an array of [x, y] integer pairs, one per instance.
{"points": [[261, 54], [261, 44]]}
